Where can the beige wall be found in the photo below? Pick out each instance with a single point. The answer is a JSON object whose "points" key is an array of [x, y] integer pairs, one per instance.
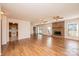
{"points": [[75, 21]]}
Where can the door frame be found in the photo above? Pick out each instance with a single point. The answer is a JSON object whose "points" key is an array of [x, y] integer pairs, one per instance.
{"points": [[17, 30]]}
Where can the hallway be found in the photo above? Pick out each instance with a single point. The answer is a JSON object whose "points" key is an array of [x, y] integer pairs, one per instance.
{"points": [[42, 46]]}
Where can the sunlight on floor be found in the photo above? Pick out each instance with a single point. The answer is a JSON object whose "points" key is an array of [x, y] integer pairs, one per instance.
{"points": [[49, 42]]}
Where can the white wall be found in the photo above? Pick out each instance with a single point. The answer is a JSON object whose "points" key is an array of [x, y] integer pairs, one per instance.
{"points": [[31, 28], [76, 21], [5, 27], [23, 29], [44, 29]]}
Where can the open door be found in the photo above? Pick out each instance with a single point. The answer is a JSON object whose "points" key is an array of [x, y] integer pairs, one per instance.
{"points": [[13, 32]]}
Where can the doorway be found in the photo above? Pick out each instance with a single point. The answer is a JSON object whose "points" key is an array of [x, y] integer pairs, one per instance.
{"points": [[34, 30], [13, 32]]}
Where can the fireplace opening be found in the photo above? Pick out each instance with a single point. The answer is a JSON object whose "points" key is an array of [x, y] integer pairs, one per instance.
{"points": [[57, 32]]}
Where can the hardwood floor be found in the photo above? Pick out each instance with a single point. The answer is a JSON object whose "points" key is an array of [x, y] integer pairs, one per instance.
{"points": [[42, 46]]}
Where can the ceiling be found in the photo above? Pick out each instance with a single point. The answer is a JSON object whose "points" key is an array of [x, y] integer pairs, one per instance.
{"points": [[35, 11]]}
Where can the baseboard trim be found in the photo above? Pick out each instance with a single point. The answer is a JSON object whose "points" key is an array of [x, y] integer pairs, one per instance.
{"points": [[71, 39]]}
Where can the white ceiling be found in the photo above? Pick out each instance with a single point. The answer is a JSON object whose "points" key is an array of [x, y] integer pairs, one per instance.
{"points": [[36, 11]]}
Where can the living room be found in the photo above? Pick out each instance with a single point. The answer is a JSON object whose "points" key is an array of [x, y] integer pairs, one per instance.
{"points": [[38, 29]]}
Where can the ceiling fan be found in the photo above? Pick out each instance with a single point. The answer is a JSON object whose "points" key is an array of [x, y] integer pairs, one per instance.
{"points": [[43, 20], [57, 17]]}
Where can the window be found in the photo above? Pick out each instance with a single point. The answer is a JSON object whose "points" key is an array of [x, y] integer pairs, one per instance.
{"points": [[73, 29]]}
